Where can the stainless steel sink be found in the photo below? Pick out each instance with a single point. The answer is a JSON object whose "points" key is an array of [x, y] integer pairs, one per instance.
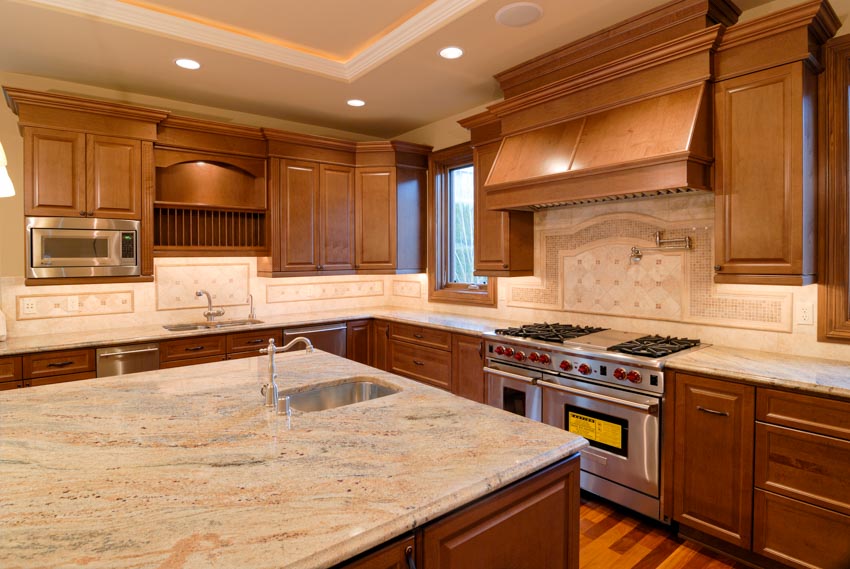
{"points": [[332, 396], [210, 325]]}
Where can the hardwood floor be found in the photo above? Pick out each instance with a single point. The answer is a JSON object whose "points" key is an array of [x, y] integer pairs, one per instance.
{"points": [[614, 538]]}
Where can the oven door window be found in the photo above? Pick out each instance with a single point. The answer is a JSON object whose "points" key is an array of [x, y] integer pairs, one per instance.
{"points": [[602, 431], [75, 248], [513, 400]]}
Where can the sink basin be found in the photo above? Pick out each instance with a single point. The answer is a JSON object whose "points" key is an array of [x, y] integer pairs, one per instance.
{"points": [[332, 396], [209, 325]]}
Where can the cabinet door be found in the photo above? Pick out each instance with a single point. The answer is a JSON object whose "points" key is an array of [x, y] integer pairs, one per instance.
{"points": [[359, 340], [468, 367], [337, 218], [380, 345], [375, 218], [713, 464], [504, 241], [766, 176], [393, 556], [299, 202], [55, 172], [113, 177]]}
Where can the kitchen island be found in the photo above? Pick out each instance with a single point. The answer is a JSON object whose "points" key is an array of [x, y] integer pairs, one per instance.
{"points": [[185, 468]]}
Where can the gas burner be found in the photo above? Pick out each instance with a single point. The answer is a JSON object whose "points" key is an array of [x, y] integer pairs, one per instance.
{"points": [[549, 332], [654, 346]]}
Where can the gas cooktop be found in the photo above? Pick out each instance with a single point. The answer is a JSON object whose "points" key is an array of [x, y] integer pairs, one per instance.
{"points": [[546, 332]]}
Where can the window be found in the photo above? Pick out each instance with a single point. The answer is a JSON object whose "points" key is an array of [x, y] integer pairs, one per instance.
{"points": [[451, 249], [834, 199]]}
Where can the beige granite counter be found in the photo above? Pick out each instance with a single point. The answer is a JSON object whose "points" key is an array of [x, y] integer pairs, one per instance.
{"points": [[185, 468], [812, 375]]}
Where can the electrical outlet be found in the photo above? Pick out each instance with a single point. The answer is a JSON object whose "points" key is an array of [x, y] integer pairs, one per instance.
{"points": [[29, 306], [805, 313], [73, 304]]}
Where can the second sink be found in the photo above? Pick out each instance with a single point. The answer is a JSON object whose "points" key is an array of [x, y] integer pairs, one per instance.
{"points": [[210, 325], [354, 391]]}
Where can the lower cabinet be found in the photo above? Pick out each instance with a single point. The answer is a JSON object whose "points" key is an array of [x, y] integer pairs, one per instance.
{"points": [[45, 368], [11, 374], [428, 365], [191, 351], [359, 341], [379, 356], [468, 367], [532, 524], [249, 344]]}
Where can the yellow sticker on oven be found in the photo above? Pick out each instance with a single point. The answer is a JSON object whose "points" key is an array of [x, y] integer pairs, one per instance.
{"points": [[597, 430]]}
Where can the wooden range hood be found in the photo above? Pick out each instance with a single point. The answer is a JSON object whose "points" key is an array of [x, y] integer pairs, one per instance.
{"points": [[637, 126]]}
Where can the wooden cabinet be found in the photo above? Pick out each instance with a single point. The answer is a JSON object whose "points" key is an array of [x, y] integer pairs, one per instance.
{"points": [[529, 525], [186, 351], [44, 368], [72, 174], [468, 367], [248, 344], [336, 218], [11, 373], [397, 555], [358, 339], [713, 464], [504, 241], [421, 353], [379, 356], [375, 219], [802, 498], [421, 335], [766, 177]]}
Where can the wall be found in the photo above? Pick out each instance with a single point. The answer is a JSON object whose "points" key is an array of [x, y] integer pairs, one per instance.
{"points": [[444, 132]]}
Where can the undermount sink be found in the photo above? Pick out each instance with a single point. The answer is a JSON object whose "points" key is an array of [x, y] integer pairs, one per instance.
{"points": [[355, 391], [210, 325]]}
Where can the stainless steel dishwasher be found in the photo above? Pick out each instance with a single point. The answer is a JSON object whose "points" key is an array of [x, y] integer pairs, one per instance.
{"points": [[329, 338], [121, 360]]}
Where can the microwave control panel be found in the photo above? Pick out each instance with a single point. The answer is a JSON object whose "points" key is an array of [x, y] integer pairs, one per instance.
{"points": [[128, 245]]}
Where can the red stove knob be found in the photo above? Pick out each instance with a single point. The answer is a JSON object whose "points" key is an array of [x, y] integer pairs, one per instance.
{"points": [[545, 359], [500, 350], [620, 374], [634, 376], [519, 356], [534, 356], [509, 351], [584, 369], [566, 366]]}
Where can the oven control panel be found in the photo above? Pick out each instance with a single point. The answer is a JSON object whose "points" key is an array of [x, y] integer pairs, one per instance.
{"points": [[603, 367]]}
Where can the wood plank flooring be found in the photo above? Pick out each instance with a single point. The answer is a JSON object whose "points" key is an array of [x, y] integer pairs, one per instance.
{"points": [[614, 538]]}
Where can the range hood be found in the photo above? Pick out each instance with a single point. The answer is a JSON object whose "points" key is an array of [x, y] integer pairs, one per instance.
{"points": [[659, 144]]}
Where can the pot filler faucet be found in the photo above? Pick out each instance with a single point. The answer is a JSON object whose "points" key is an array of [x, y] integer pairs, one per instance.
{"points": [[209, 313], [269, 390]]}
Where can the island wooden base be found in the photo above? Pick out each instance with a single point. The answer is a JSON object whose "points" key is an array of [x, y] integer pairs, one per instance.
{"points": [[530, 524]]}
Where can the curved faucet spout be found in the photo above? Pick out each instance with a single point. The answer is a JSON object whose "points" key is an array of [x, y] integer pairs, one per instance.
{"points": [[209, 313], [270, 389]]}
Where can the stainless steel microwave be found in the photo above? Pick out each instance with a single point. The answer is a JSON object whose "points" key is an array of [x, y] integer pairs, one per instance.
{"points": [[81, 247]]}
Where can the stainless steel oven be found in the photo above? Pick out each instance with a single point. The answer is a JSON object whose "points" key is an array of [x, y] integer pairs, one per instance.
{"points": [[623, 460], [513, 389]]}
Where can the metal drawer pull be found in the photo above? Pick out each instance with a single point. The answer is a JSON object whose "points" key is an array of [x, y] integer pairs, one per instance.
{"points": [[418, 336], [59, 364], [712, 411], [419, 363], [600, 397], [408, 556], [194, 348], [257, 341], [127, 353], [509, 375]]}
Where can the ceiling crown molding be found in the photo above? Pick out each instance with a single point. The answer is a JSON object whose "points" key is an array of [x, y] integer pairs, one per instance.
{"points": [[423, 23]]}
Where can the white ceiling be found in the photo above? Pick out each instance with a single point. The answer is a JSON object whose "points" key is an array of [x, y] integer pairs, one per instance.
{"points": [[294, 59]]}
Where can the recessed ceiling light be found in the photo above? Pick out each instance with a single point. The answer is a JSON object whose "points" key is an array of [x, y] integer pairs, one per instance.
{"points": [[518, 14], [451, 52], [355, 103], [187, 63]]}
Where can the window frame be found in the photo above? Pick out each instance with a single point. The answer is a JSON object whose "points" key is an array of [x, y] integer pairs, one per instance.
{"points": [[834, 197], [440, 287]]}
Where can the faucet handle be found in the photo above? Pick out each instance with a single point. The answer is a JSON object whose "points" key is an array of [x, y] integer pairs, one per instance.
{"points": [[270, 349]]}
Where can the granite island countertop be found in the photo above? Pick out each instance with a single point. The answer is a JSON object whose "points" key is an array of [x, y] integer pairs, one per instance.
{"points": [[185, 468]]}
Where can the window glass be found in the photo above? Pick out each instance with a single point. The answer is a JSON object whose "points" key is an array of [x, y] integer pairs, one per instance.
{"points": [[461, 213]]}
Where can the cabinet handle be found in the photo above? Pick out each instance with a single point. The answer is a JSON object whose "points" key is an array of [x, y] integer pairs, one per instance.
{"points": [[90, 214], [418, 336], [712, 411], [504, 265], [194, 348], [717, 268], [59, 364], [319, 267], [257, 341], [408, 556], [83, 213], [419, 363]]}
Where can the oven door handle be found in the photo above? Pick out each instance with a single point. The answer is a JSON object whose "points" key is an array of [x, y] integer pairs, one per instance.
{"points": [[607, 398], [510, 375]]}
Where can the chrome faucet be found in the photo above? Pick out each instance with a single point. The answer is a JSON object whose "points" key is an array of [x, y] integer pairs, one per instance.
{"points": [[209, 313], [270, 390], [251, 314]]}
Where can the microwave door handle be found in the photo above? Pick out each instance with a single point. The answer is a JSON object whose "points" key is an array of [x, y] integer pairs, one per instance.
{"points": [[598, 396], [515, 376]]}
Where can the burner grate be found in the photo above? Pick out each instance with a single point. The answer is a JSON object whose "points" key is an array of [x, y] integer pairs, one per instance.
{"points": [[546, 332], [654, 346]]}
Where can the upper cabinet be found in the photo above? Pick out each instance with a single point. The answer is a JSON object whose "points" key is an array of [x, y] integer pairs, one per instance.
{"points": [[766, 139]]}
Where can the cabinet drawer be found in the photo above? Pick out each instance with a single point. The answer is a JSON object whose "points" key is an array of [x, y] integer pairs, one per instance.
{"points": [[427, 365], [186, 348], [6, 385], [421, 335], [808, 467], [815, 414], [49, 380], [798, 534], [252, 341], [10, 368], [192, 361], [58, 363]]}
